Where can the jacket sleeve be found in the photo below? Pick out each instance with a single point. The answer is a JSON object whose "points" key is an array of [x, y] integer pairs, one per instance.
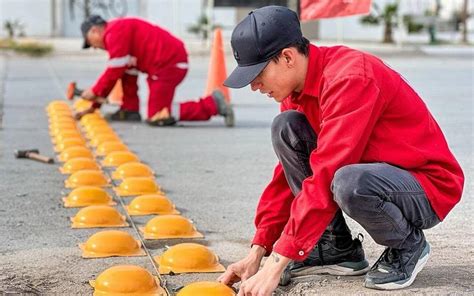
{"points": [[273, 209], [118, 47], [350, 108]]}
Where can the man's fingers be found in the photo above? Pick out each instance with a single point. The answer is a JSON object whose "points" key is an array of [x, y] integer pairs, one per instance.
{"points": [[226, 278]]}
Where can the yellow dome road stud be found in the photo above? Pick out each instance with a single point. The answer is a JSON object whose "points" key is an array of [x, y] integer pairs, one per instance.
{"points": [[123, 280], [60, 118], [98, 217], [151, 204], [54, 127], [170, 226], [53, 132], [81, 105], [68, 143], [58, 144], [94, 124], [117, 158], [104, 138], [75, 152], [137, 186], [56, 104], [132, 169], [90, 116], [111, 243], [206, 289], [60, 112], [101, 129], [78, 164], [187, 258], [66, 135], [86, 178], [87, 196], [110, 146]]}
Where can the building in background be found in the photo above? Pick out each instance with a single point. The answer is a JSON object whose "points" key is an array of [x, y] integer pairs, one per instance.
{"points": [[61, 18]]}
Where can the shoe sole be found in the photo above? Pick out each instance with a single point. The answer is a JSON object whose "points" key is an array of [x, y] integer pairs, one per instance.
{"points": [[406, 282], [346, 268], [229, 118]]}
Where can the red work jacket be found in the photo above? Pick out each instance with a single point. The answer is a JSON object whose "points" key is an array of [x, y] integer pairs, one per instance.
{"points": [[362, 112], [137, 45]]}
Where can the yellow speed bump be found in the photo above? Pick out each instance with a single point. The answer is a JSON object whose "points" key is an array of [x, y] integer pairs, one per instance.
{"points": [[78, 164], [99, 139], [188, 257], [90, 117], [116, 158], [150, 204], [98, 216], [137, 186], [110, 243], [75, 152], [170, 226], [100, 130], [110, 146], [123, 280], [61, 125], [56, 104], [60, 112], [68, 143], [132, 169], [56, 130], [206, 289], [86, 178], [94, 124], [87, 196], [81, 105], [68, 134]]}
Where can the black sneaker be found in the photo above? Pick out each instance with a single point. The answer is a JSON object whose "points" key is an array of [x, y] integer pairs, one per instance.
{"points": [[223, 108], [335, 255], [170, 121], [124, 115], [397, 269]]}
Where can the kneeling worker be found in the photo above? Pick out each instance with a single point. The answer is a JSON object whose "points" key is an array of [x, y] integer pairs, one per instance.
{"points": [[352, 137], [134, 46]]}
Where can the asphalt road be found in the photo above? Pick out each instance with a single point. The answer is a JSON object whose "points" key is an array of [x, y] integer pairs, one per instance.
{"points": [[213, 174]]}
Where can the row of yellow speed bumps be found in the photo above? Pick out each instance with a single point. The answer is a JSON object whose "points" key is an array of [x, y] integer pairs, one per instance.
{"points": [[80, 156]]}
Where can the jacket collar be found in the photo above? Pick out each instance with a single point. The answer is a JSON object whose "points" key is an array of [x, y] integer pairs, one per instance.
{"points": [[313, 75]]}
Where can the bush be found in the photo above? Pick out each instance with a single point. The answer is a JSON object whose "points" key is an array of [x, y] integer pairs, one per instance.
{"points": [[31, 48]]}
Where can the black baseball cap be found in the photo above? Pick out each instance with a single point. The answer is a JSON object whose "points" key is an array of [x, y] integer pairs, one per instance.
{"points": [[262, 34], [93, 20]]}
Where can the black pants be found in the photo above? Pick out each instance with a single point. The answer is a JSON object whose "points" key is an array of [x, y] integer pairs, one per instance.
{"points": [[387, 201]]}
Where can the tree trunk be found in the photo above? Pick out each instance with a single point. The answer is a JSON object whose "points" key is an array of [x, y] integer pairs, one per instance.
{"points": [[387, 34], [465, 16]]}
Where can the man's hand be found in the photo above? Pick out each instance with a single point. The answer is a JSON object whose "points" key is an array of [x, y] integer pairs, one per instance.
{"points": [[89, 110], [266, 280], [245, 268], [88, 94]]}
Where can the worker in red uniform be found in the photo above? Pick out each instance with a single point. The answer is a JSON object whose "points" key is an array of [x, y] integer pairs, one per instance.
{"points": [[134, 46], [352, 137]]}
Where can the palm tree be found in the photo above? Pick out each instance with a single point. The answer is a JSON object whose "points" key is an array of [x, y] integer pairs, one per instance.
{"points": [[387, 16]]}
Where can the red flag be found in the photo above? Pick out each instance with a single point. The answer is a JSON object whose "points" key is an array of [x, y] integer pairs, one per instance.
{"points": [[316, 9]]}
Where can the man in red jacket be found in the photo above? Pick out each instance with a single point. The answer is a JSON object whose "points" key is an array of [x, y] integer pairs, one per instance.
{"points": [[134, 46], [353, 136]]}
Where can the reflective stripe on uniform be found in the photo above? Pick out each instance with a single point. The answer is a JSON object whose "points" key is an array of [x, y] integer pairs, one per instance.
{"points": [[133, 72], [182, 65], [119, 62]]}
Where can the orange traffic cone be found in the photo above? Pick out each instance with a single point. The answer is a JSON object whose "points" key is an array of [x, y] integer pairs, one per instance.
{"points": [[217, 70], [116, 95]]}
